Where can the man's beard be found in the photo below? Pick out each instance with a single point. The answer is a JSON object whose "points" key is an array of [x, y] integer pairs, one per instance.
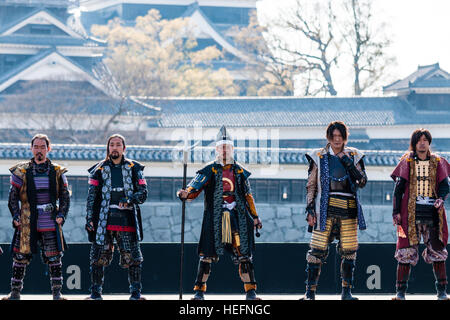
{"points": [[39, 156], [114, 155]]}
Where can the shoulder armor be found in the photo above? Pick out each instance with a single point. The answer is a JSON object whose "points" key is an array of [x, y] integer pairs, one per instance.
{"points": [[242, 170], [95, 167], [59, 168], [135, 164], [20, 168], [208, 169], [314, 155], [407, 156], [355, 153], [436, 156]]}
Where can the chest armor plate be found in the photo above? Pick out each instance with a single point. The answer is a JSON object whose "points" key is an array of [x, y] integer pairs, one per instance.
{"points": [[338, 176], [228, 181], [424, 187]]}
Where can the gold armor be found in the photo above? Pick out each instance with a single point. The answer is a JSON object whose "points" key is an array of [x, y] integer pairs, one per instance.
{"points": [[348, 235], [424, 187]]}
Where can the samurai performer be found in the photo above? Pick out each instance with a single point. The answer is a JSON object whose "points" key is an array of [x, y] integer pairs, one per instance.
{"points": [[335, 174], [117, 187], [421, 187], [229, 217], [39, 201]]}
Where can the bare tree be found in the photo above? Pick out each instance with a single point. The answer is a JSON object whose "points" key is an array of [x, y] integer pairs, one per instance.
{"points": [[69, 111], [310, 43], [319, 36], [366, 42]]}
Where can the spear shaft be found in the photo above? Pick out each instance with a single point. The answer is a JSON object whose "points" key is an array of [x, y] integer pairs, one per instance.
{"points": [[183, 219]]}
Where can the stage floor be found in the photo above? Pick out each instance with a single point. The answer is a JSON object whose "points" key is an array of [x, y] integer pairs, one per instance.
{"points": [[235, 297]]}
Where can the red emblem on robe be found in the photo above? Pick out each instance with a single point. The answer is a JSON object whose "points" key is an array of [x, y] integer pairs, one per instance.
{"points": [[228, 184]]}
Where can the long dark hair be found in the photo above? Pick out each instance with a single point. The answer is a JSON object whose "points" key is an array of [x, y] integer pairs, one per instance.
{"points": [[116, 135], [340, 126], [415, 137]]}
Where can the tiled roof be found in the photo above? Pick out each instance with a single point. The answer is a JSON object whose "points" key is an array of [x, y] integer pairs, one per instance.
{"points": [[432, 83], [50, 3], [196, 7], [26, 64], [423, 77], [283, 112], [198, 155], [51, 41], [102, 105], [41, 55]]}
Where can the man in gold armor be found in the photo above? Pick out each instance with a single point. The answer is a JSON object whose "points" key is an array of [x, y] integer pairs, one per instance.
{"points": [[335, 174], [421, 187]]}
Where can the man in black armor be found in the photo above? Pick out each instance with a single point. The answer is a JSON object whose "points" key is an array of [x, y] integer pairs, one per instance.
{"points": [[333, 210], [116, 188], [229, 218]]}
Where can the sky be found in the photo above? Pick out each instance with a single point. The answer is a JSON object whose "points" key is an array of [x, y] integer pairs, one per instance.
{"points": [[420, 31]]}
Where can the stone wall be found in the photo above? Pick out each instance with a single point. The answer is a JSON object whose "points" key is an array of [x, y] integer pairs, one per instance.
{"points": [[162, 223]]}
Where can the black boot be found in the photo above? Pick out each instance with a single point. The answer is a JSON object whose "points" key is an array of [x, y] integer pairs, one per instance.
{"points": [[440, 275], [441, 290], [203, 272], [347, 271], [199, 295], [97, 276], [312, 279], [310, 294], [56, 279], [134, 279], [247, 275], [251, 295], [347, 294], [403, 272], [401, 293], [18, 273]]}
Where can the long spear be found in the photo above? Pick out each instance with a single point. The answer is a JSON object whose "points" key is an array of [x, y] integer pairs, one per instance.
{"points": [[186, 151]]}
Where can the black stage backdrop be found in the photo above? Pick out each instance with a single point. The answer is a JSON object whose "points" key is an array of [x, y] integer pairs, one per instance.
{"points": [[279, 268]]}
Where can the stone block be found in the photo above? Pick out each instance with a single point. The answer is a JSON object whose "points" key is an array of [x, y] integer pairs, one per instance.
{"points": [[275, 236], [163, 211], [298, 209], [286, 223], [148, 236], [147, 211], [299, 220], [190, 237], [159, 223], [176, 228], [193, 213], [284, 212], [292, 235], [268, 226], [77, 235], [162, 235], [4, 237], [372, 231], [6, 222], [363, 236], [265, 212]]}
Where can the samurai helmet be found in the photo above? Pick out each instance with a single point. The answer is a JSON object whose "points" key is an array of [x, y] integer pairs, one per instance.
{"points": [[223, 137]]}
